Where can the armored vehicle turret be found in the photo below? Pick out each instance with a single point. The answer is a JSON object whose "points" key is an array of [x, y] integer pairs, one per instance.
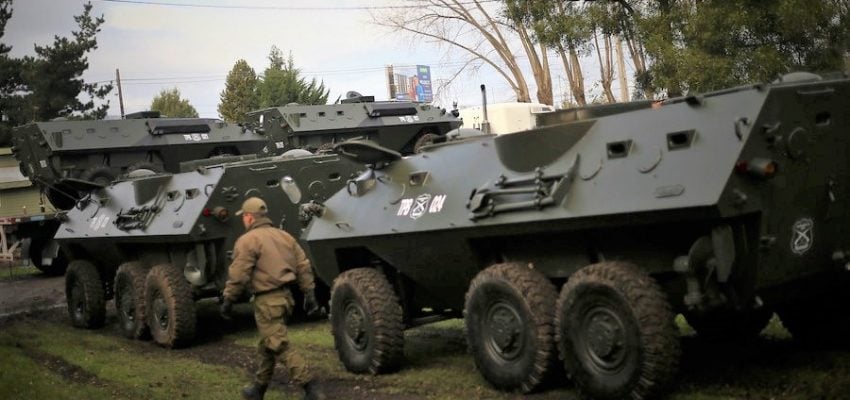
{"points": [[58, 155], [580, 240], [398, 125], [159, 241]]}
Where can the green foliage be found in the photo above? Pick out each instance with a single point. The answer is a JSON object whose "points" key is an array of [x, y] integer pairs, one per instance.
{"points": [[714, 44], [703, 45], [240, 93], [169, 104], [282, 83], [48, 84]]}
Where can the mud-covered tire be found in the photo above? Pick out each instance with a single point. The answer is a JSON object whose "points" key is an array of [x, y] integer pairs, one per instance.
{"points": [[100, 175], [817, 322], [130, 300], [56, 268], [62, 196], [84, 292], [425, 140], [509, 315], [616, 333], [367, 322], [730, 326], [169, 307]]}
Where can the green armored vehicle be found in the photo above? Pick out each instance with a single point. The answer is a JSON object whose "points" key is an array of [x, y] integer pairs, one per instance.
{"points": [[399, 125], [579, 241], [58, 155], [27, 220], [160, 241]]}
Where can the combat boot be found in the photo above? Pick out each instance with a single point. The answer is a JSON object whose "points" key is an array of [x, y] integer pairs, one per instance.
{"points": [[312, 391], [254, 392]]}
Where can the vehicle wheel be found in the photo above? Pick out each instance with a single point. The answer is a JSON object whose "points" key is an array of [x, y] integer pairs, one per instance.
{"points": [[424, 140], [85, 295], [169, 308], [56, 268], [615, 332], [62, 196], [725, 325], [366, 317], [130, 300], [509, 315], [144, 165], [100, 175], [817, 322]]}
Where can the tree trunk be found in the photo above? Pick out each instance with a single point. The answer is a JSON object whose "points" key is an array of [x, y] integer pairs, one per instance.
{"points": [[606, 67], [575, 77], [621, 69]]}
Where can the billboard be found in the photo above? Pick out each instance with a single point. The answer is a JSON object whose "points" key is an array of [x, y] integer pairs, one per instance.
{"points": [[411, 85]]}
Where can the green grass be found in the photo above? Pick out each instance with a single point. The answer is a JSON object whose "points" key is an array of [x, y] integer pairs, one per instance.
{"points": [[437, 366], [17, 271]]}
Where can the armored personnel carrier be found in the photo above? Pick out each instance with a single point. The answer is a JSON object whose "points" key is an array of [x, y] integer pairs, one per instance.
{"points": [[160, 241], [399, 125], [58, 155], [580, 240], [27, 220]]}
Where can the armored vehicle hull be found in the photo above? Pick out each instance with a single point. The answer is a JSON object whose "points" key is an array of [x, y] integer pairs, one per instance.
{"points": [[57, 155], [161, 241], [580, 241], [27, 220], [401, 126]]}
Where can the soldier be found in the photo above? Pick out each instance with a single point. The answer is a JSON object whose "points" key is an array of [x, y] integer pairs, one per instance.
{"points": [[267, 260]]}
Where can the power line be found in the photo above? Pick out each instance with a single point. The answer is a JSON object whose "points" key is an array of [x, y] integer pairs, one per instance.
{"points": [[278, 8]]}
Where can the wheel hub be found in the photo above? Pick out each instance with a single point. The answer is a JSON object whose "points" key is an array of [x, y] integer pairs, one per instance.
{"points": [[160, 310], [78, 294], [504, 327], [355, 327], [605, 338]]}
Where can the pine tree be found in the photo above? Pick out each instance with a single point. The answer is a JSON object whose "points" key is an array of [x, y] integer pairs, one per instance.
{"points": [[282, 84], [169, 104], [240, 93], [49, 84]]}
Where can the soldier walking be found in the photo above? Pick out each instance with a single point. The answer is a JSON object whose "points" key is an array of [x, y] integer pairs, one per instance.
{"points": [[266, 260]]}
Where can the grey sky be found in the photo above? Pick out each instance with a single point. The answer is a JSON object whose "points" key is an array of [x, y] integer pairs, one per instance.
{"points": [[160, 47]]}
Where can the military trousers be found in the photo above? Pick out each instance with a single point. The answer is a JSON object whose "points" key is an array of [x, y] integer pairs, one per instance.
{"points": [[270, 311]]}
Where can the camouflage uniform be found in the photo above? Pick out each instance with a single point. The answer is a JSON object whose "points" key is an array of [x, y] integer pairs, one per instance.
{"points": [[267, 259]]}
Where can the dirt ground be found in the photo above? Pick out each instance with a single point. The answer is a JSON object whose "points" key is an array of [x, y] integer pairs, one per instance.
{"points": [[31, 293], [769, 368]]}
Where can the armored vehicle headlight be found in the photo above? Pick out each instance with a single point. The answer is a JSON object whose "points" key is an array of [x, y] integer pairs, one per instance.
{"points": [[758, 167]]}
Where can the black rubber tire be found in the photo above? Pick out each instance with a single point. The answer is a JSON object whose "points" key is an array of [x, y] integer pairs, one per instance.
{"points": [[616, 333], [144, 165], [817, 322], [84, 293], [130, 300], [56, 268], [101, 175], [730, 326], [509, 315], [169, 308], [62, 197], [425, 140], [367, 322]]}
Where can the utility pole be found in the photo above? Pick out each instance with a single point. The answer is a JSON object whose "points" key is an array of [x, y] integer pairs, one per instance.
{"points": [[621, 69], [120, 94], [391, 87]]}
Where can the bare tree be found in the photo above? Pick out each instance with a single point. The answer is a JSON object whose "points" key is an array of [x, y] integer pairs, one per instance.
{"points": [[483, 31]]}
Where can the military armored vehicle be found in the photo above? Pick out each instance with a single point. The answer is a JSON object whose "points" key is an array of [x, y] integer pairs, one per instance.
{"points": [[159, 241], [27, 220], [57, 155], [581, 240], [399, 125]]}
